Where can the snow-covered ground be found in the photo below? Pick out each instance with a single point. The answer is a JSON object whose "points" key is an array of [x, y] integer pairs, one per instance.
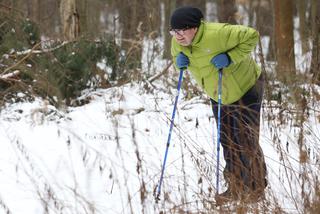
{"points": [[106, 156]]}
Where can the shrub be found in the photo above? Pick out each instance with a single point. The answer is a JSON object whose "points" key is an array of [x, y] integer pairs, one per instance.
{"points": [[63, 72]]}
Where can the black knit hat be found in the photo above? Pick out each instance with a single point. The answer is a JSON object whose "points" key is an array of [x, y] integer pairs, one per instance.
{"points": [[186, 17]]}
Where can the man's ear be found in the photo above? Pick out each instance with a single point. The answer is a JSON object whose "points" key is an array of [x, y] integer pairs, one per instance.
{"points": [[195, 31]]}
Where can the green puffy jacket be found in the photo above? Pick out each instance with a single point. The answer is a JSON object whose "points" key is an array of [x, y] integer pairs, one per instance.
{"points": [[214, 38]]}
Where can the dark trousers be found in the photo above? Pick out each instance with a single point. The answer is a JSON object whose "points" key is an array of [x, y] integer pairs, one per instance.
{"points": [[245, 168]]}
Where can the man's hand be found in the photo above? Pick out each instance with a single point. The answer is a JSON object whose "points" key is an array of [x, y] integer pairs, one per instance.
{"points": [[182, 61], [221, 60]]}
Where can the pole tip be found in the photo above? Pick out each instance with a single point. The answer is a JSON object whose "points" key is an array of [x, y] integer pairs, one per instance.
{"points": [[156, 194], [157, 198]]}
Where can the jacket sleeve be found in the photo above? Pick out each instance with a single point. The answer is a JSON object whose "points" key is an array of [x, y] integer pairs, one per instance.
{"points": [[238, 41], [174, 53]]}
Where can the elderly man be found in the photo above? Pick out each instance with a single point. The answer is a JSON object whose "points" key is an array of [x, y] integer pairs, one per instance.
{"points": [[204, 48]]}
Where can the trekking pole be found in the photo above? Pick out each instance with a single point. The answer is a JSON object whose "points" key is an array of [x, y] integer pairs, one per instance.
{"points": [[219, 127], [169, 136]]}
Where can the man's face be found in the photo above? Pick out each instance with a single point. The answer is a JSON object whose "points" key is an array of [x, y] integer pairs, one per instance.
{"points": [[184, 37]]}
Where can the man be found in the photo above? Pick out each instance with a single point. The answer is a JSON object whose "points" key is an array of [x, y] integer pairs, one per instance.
{"points": [[204, 48]]}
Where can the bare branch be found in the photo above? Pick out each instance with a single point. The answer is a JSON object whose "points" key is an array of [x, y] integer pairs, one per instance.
{"points": [[20, 61]]}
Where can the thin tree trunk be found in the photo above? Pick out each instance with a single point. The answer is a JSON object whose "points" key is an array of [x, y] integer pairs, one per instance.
{"points": [[33, 10], [264, 12], [36, 11], [315, 62], [251, 11], [271, 55], [284, 39], [201, 4], [130, 13], [153, 21], [227, 11], [303, 25], [168, 9]]}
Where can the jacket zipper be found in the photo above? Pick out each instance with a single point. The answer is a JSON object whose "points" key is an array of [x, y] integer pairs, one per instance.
{"points": [[202, 82]]}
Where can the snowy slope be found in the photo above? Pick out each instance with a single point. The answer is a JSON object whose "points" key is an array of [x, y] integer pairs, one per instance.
{"points": [[106, 156]]}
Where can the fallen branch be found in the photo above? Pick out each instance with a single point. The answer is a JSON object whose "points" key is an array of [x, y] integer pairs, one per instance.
{"points": [[10, 77], [153, 78], [32, 51]]}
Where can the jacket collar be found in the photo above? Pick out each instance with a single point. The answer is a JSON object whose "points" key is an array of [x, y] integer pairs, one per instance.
{"points": [[197, 38]]}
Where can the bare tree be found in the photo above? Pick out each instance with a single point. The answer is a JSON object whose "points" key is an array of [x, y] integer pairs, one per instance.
{"points": [[284, 38]]}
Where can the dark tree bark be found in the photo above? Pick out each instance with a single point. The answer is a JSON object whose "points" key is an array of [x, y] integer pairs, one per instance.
{"points": [[201, 4], [227, 11]]}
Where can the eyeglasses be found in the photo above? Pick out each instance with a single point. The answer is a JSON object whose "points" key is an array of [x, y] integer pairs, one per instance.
{"points": [[179, 32]]}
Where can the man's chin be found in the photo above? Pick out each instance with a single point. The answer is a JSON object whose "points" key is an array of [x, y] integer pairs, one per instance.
{"points": [[184, 43]]}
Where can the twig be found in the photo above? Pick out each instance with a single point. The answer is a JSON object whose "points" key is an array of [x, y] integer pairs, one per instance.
{"points": [[2, 24], [32, 51], [20, 61]]}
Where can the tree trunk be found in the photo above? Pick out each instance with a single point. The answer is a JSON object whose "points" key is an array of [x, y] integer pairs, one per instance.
{"points": [[36, 11], [168, 9], [131, 18], [70, 19], [153, 18], [315, 62], [138, 19], [82, 7], [252, 9], [33, 10], [201, 4], [284, 39], [303, 25], [227, 11], [264, 14]]}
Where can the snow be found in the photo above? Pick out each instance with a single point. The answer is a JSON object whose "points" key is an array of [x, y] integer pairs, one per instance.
{"points": [[96, 156]]}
